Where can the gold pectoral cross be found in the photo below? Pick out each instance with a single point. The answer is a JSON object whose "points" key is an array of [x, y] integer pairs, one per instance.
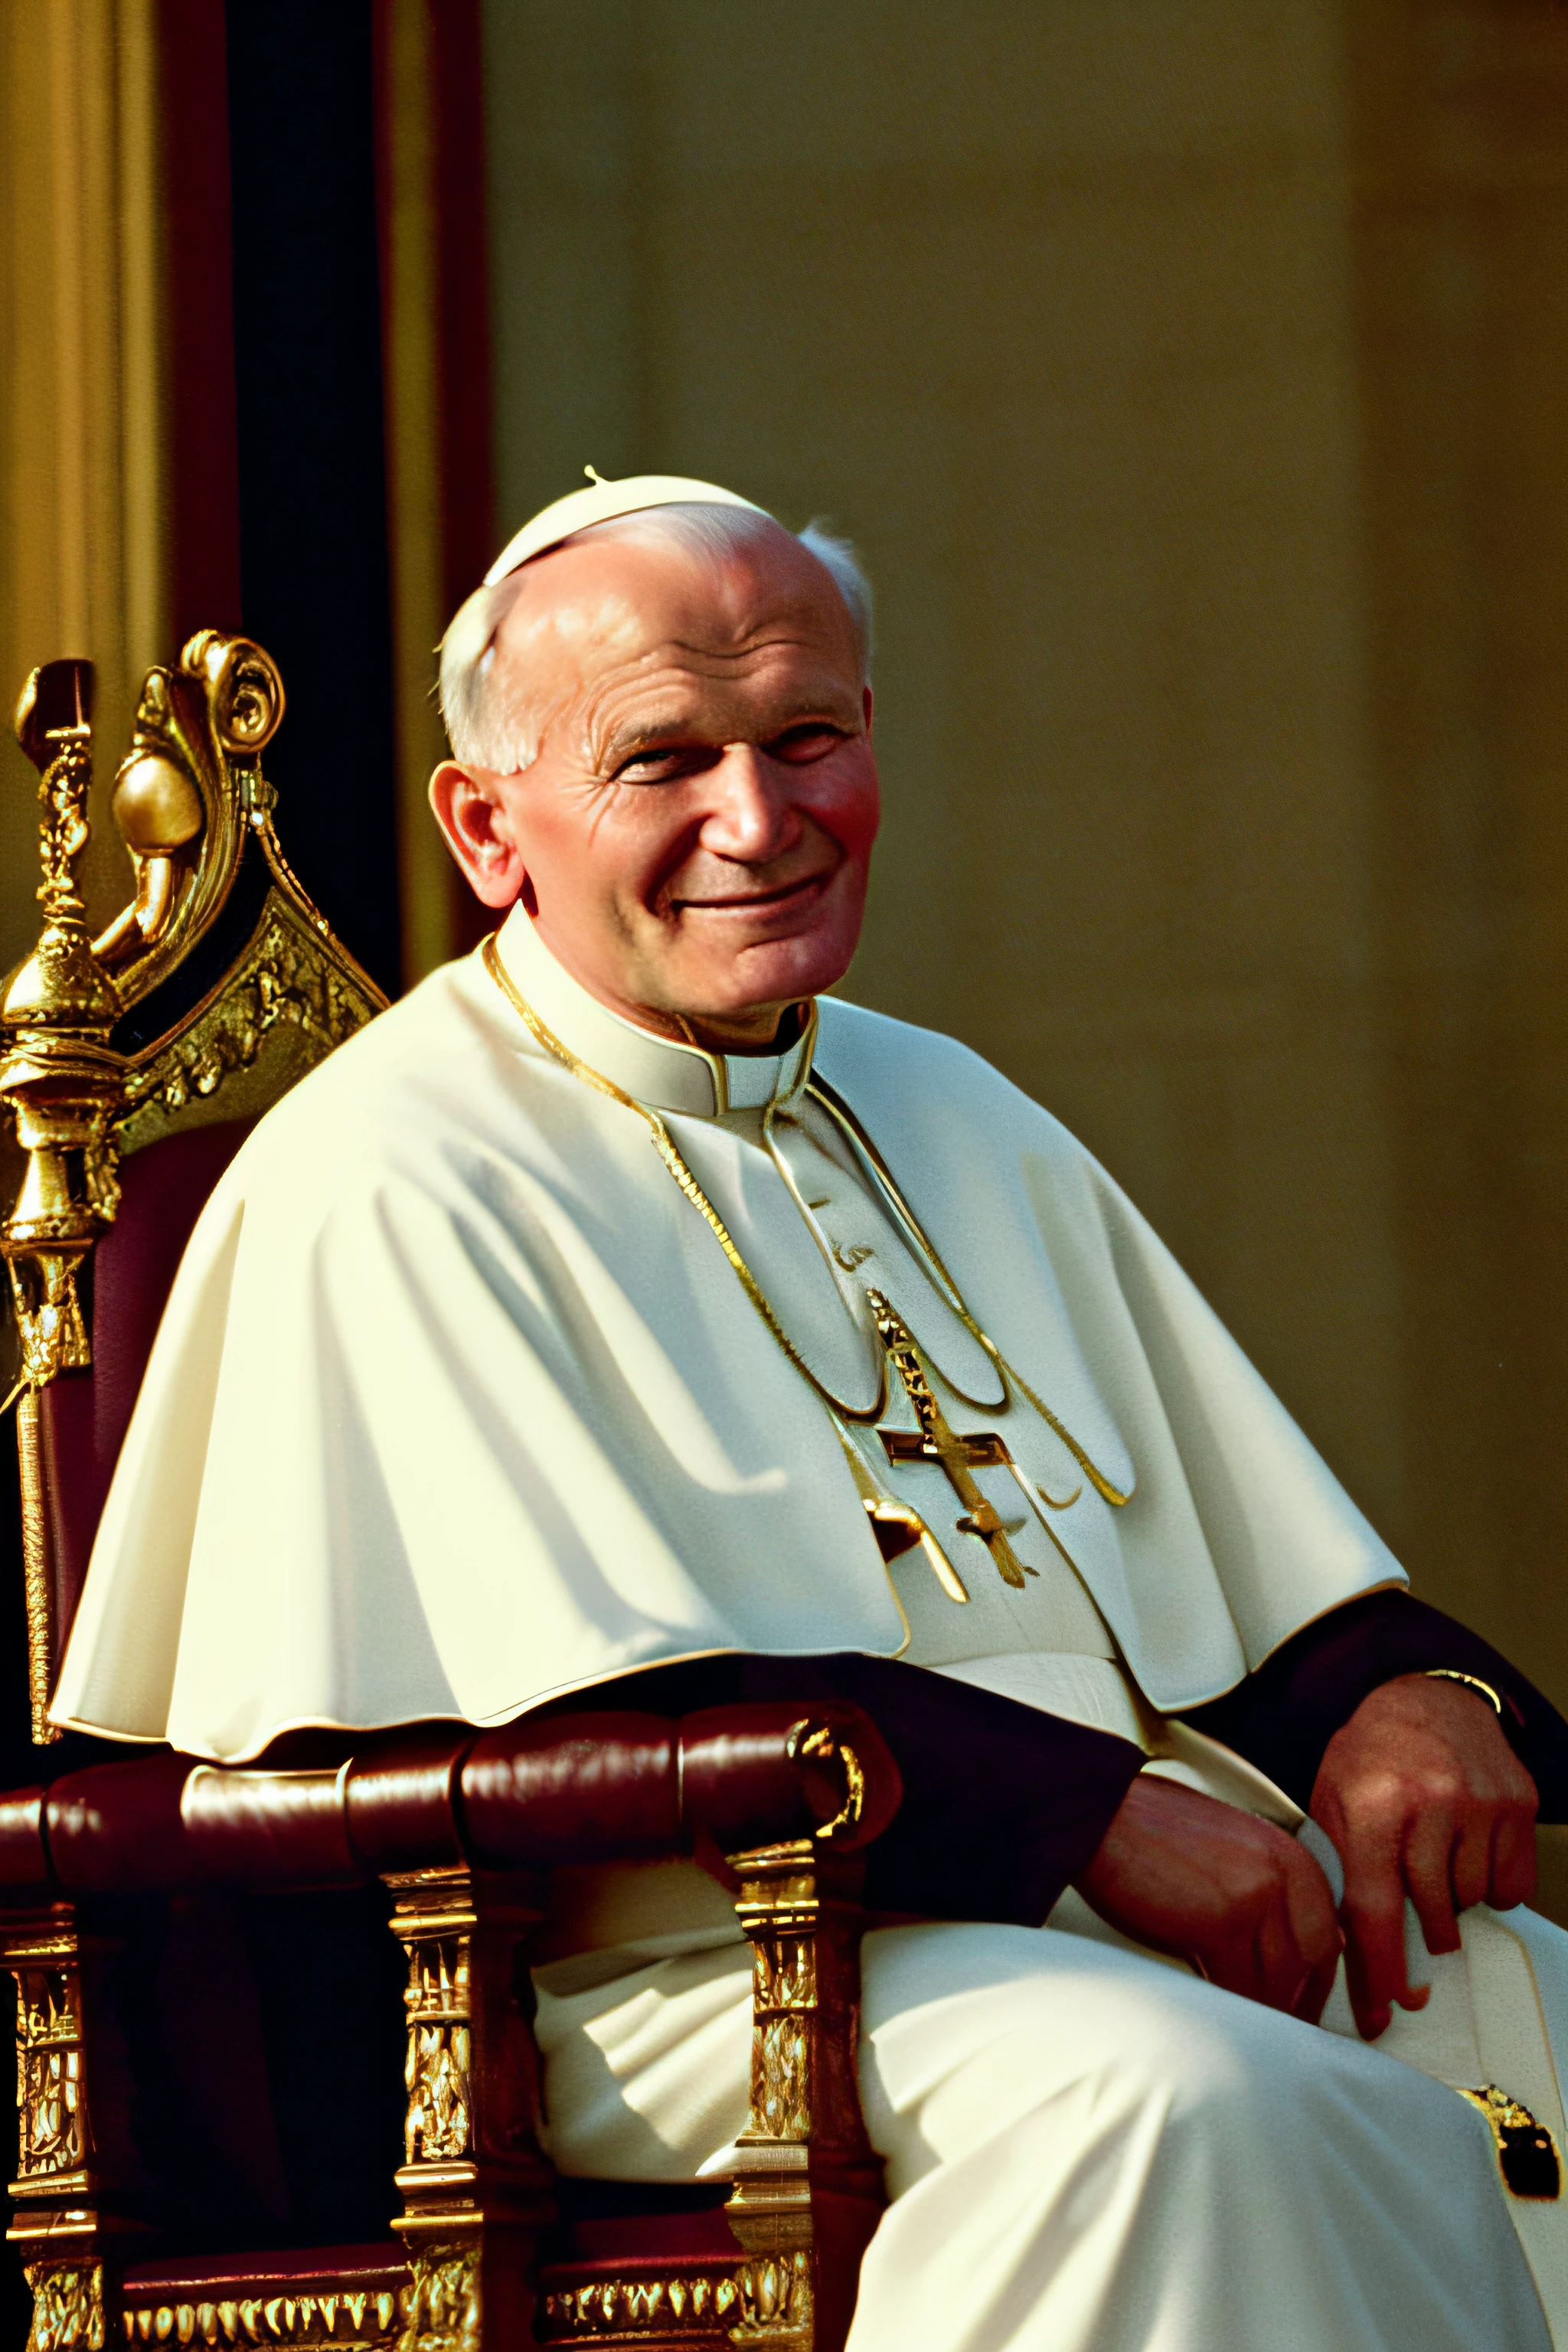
{"points": [[936, 1440]]}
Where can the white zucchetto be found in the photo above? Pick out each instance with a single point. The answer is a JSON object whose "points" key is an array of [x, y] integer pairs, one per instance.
{"points": [[603, 502]]}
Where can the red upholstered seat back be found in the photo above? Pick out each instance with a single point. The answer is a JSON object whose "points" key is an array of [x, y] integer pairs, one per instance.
{"points": [[86, 1413]]}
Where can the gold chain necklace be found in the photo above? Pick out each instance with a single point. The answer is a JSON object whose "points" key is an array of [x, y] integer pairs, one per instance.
{"points": [[670, 1152], [882, 1175]]}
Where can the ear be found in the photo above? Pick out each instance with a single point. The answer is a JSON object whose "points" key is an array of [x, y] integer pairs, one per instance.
{"points": [[470, 810]]}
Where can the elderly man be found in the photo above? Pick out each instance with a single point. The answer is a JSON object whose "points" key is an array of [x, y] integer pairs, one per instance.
{"points": [[618, 1309]]}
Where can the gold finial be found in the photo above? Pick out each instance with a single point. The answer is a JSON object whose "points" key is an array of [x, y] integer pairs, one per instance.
{"points": [[595, 476], [63, 1083]]}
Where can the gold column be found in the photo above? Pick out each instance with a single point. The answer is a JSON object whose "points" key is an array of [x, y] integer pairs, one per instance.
{"points": [[474, 2188], [78, 2179]]}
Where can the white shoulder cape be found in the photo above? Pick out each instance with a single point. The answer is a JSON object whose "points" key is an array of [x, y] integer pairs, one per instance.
{"points": [[457, 1404]]}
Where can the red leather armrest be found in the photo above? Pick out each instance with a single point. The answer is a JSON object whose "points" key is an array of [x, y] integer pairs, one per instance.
{"points": [[572, 1788], [588, 1788], [752, 1776], [614, 1788], [24, 1852]]}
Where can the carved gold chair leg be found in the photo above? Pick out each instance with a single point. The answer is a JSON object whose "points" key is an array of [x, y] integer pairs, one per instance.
{"points": [[808, 2189], [476, 2189], [77, 2176]]}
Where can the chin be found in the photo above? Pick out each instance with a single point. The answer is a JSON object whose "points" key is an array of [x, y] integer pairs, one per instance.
{"points": [[774, 971]]}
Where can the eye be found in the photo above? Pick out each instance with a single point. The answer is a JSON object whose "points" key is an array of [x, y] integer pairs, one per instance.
{"points": [[665, 763], [813, 738]]}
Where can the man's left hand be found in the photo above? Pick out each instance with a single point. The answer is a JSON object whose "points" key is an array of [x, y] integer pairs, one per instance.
{"points": [[1424, 1797]]}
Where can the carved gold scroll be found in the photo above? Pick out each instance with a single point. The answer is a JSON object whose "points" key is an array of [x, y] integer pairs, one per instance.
{"points": [[190, 800]]}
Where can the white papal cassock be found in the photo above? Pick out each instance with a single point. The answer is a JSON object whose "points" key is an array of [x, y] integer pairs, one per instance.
{"points": [[460, 1403]]}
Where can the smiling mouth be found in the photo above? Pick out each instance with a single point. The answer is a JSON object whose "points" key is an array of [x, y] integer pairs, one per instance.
{"points": [[788, 894]]}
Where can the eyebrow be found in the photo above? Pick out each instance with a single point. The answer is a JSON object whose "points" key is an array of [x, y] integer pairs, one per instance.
{"points": [[626, 743]]}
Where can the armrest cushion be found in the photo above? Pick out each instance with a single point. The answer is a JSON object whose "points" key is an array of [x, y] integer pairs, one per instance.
{"points": [[538, 1792]]}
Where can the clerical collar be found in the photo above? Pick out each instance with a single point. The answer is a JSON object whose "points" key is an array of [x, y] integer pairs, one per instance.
{"points": [[658, 1071]]}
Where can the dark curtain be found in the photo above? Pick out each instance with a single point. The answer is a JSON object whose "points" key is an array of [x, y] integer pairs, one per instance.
{"points": [[312, 484]]}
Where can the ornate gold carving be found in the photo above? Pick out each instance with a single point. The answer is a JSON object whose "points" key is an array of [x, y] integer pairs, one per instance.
{"points": [[156, 806], [67, 2307], [437, 2125], [37, 1579], [63, 1085], [286, 981], [435, 1922], [184, 797], [781, 2094], [444, 2311], [783, 1973], [474, 2186], [158, 811], [188, 795], [245, 692], [820, 1739], [48, 1309], [649, 2307], [348, 2317], [51, 2086], [775, 2300], [58, 1075], [54, 727], [769, 2208], [1526, 2153]]}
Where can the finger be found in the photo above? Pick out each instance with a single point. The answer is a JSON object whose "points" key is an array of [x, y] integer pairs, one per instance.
{"points": [[1227, 1954], [1470, 1868], [1314, 1923], [1313, 1999], [1429, 1853], [1318, 1937], [1296, 1937], [1367, 1983], [1512, 1860], [1372, 1917], [1279, 1968]]}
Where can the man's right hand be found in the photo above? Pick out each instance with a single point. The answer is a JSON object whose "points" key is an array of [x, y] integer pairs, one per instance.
{"points": [[1233, 1896]]}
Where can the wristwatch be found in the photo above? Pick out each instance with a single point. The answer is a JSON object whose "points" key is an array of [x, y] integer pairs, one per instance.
{"points": [[1471, 1682]]}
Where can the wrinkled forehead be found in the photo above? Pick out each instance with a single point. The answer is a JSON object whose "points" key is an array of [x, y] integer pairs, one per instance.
{"points": [[603, 608]]}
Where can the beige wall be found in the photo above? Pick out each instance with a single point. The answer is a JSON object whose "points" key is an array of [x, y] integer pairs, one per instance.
{"points": [[1191, 374], [1459, 125]]}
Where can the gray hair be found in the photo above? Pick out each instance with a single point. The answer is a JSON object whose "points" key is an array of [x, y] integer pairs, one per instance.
{"points": [[506, 739]]}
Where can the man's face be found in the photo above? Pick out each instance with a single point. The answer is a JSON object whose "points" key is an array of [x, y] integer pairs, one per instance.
{"points": [[695, 835]]}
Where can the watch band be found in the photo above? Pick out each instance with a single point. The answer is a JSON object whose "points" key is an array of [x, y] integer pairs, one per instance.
{"points": [[1471, 1682]]}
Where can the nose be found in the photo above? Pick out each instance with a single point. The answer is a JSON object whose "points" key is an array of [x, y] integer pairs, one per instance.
{"points": [[752, 816]]}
